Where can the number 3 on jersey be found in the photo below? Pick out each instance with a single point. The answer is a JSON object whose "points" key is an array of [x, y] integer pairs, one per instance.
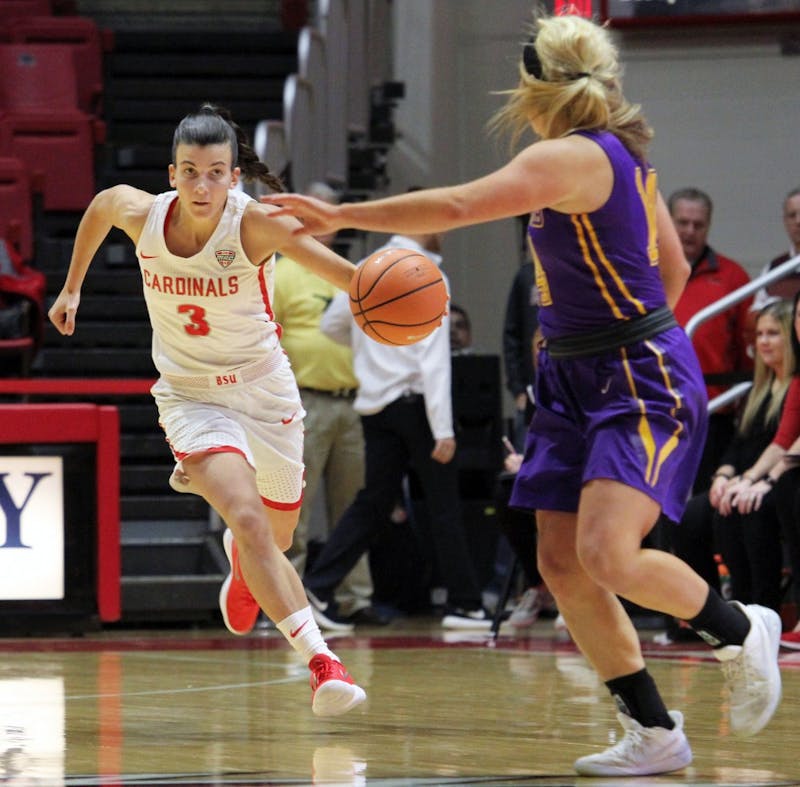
{"points": [[197, 325]]}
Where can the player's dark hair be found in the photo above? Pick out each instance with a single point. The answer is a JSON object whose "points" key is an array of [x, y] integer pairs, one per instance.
{"points": [[213, 125]]}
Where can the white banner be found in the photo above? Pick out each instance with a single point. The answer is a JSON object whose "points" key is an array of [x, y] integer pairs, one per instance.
{"points": [[31, 528]]}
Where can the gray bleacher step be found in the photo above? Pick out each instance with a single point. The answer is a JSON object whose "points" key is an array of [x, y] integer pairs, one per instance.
{"points": [[150, 445], [188, 87], [179, 574], [99, 333], [250, 40], [135, 156], [121, 307], [136, 478], [137, 416], [153, 180], [136, 530], [91, 362], [116, 282], [165, 556], [171, 506], [172, 109], [214, 64], [184, 598], [116, 255]]}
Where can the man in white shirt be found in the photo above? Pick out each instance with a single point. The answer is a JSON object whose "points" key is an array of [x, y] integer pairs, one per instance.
{"points": [[405, 402]]}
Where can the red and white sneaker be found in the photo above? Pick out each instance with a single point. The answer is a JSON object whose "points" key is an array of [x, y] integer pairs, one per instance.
{"points": [[333, 691], [791, 640], [239, 608]]}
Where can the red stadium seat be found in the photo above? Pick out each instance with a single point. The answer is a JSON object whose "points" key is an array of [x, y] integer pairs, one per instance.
{"points": [[37, 76], [16, 206], [13, 9], [86, 41], [59, 149], [41, 123], [22, 291]]}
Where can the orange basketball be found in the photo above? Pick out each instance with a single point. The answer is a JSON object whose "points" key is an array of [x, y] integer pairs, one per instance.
{"points": [[398, 296]]}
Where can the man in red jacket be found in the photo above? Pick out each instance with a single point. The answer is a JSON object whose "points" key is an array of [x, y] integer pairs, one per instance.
{"points": [[722, 343]]}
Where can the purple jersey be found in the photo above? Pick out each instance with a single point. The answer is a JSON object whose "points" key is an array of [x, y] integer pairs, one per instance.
{"points": [[633, 411], [594, 270]]}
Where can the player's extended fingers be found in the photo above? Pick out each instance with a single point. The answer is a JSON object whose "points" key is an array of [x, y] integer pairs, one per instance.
{"points": [[286, 202]]}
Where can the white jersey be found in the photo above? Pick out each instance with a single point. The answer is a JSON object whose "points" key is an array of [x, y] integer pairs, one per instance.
{"points": [[212, 311]]}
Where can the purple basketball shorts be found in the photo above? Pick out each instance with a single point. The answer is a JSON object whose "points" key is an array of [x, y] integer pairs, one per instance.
{"points": [[636, 415]]}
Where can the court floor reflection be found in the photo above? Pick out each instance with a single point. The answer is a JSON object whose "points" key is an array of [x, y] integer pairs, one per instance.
{"points": [[201, 707]]}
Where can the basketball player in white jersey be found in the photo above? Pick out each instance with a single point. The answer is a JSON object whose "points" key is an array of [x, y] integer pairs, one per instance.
{"points": [[226, 395]]}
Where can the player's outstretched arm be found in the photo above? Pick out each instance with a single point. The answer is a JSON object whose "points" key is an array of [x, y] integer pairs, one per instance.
{"points": [[120, 206], [558, 173]]}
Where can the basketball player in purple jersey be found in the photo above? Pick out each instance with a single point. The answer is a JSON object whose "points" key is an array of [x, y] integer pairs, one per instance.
{"points": [[620, 412]]}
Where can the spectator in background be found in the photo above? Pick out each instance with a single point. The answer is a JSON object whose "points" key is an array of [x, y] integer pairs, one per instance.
{"points": [[405, 402], [519, 326], [517, 527], [747, 528], [720, 520], [333, 451], [788, 286], [722, 344], [460, 330]]}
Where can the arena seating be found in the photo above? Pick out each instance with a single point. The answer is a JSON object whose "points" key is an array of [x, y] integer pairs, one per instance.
{"points": [[14, 9], [16, 206], [87, 42], [41, 123]]}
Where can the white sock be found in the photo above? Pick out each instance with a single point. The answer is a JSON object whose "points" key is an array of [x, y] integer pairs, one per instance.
{"points": [[303, 634]]}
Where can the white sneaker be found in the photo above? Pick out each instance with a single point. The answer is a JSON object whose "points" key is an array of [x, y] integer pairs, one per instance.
{"points": [[561, 631], [526, 613], [751, 671], [326, 617], [642, 751], [467, 620]]}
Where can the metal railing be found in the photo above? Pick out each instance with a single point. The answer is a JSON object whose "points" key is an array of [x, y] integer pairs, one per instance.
{"points": [[731, 299]]}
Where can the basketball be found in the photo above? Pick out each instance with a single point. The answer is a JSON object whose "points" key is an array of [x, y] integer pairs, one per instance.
{"points": [[398, 296]]}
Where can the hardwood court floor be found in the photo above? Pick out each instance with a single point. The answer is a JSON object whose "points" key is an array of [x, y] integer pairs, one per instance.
{"points": [[202, 707]]}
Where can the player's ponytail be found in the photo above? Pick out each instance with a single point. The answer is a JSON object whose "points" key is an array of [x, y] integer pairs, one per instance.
{"points": [[570, 80]]}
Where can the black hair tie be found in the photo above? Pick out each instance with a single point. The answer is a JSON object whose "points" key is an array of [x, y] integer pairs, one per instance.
{"points": [[530, 59], [533, 66]]}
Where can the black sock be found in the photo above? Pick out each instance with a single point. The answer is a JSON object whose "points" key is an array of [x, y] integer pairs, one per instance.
{"points": [[636, 696], [720, 623]]}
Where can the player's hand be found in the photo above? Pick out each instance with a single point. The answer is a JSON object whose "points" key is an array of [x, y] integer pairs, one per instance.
{"points": [[62, 312], [318, 217], [444, 450]]}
